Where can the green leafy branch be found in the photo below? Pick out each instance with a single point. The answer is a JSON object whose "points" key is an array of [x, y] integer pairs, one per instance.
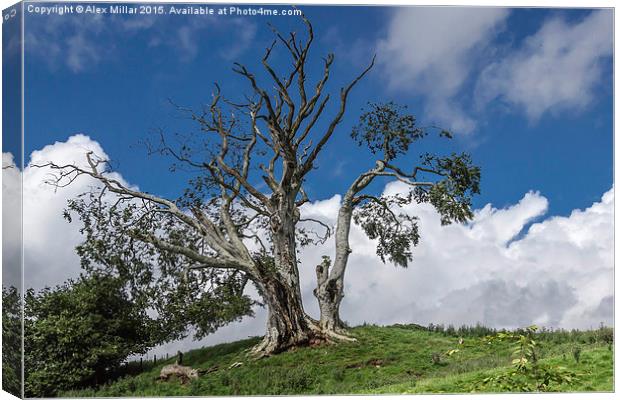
{"points": [[526, 374]]}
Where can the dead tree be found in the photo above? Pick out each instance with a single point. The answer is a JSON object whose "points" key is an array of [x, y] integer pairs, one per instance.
{"points": [[270, 134], [185, 374], [206, 235]]}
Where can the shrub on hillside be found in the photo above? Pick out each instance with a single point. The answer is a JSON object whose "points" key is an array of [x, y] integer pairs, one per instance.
{"points": [[11, 341], [77, 333]]}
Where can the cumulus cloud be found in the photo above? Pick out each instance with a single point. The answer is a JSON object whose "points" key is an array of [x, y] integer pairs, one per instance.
{"points": [[557, 68], [559, 272], [502, 225], [493, 270], [432, 51], [49, 240], [11, 222], [447, 54]]}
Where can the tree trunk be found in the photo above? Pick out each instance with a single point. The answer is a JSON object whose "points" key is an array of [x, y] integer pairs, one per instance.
{"points": [[287, 323], [330, 283], [329, 294]]}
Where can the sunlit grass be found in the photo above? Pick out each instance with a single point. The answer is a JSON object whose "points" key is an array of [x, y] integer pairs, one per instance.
{"points": [[398, 359]]}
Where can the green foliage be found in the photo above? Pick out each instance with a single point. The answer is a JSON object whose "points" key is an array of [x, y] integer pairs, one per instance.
{"points": [[605, 334], [77, 333], [526, 374], [533, 378], [452, 195], [448, 183], [395, 233], [577, 353], [387, 130], [462, 331], [184, 295], [388, 360], [11, 341]]}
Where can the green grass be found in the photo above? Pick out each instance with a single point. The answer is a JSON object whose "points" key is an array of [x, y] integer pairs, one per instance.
{"points": [[397, 359]]}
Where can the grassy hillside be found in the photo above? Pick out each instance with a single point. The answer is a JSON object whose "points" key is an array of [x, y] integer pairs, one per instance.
{"points": [[396, 359]]}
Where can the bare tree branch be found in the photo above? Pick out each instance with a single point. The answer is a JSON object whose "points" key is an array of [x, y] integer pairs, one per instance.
{"points": [[344, 93]]}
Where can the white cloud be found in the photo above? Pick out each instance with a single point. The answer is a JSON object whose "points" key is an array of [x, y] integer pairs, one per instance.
{"points": [[502, 225], [431, 51], [81, 53], [11, 222], [188, 46], [234, 36], [49, 240], [557, 68], [557, 273], [74, 42], [450, 54]]}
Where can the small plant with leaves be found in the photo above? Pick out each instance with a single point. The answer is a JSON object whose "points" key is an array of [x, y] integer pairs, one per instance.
{"points": [[577, 353], [456, 350], [526, 374]]}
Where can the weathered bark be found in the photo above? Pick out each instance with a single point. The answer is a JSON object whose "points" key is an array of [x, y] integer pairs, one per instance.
{"points": [[287, 323], [329, 293], [330, 281]]}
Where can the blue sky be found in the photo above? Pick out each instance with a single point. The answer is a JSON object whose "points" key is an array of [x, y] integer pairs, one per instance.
{"points": [[11, 89], [549, 130]]}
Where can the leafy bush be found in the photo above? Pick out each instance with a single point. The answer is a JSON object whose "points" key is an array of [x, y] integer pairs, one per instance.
{"points": [[526, 375], [577, 353], [606, 335], [78, 333], [11, 341]]}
